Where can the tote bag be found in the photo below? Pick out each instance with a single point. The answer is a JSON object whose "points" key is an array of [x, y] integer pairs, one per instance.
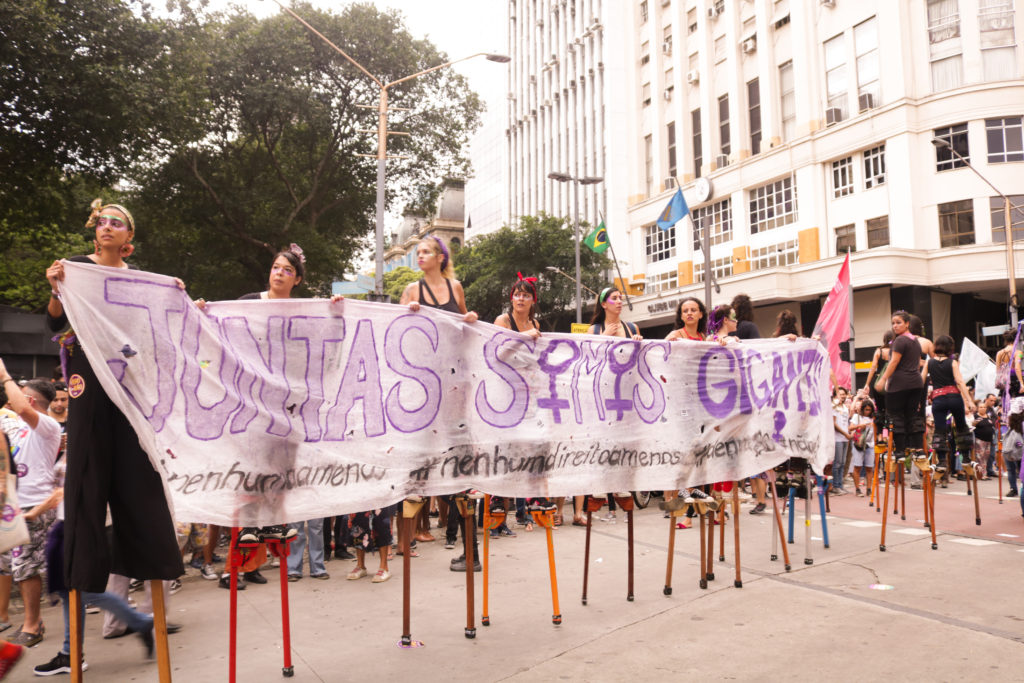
{"points": [[13, 530]]}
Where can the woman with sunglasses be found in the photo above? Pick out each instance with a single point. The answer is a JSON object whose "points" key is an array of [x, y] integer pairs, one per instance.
{"points": [[108, 466], [721, 324]]}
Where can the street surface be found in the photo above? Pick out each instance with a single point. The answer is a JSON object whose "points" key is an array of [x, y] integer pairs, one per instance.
{"points": [[951, 614]]}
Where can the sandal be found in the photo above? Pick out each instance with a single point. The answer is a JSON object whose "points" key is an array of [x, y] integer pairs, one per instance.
{"points": [[381, 576], [529, 526], [412, 553], [424, 537], [558, 519], [682, 525]]}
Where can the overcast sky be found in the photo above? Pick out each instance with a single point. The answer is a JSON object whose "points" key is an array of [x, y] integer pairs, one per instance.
{"points": [[459, 27]]}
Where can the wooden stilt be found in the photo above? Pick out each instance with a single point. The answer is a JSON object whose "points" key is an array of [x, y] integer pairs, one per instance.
{"points": [[485, 618], [721, 528], [586, 556], [888, 475], [671, 553], [280, 549], [999, 463], [546, 519], [75, 626], [973, 481], [778, 522], [709, 561], [626, 503], [468, 508], [703, 545], [163, 653], [903, 488], [410, 509], [738, 582]]}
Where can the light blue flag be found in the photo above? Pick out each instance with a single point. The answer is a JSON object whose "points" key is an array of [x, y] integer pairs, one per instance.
{"points": [[674, 211]]}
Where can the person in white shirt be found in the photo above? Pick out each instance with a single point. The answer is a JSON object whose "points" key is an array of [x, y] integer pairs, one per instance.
{"points": [[35, 448]]}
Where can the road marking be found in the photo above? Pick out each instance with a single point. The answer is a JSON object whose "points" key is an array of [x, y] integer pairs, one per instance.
{"points": [[972, 541], [912, 532], [1008, 535], [862, 524]]}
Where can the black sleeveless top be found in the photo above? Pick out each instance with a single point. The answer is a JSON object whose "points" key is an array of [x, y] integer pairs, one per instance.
{"points": [[941, 372], [450, 305], [515, 328]]}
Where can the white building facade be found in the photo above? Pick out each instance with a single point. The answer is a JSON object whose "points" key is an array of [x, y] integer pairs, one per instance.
{"points": [[809, 124]]}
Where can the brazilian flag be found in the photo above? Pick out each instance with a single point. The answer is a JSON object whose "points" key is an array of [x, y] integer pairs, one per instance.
{"points": [[597, 240]]}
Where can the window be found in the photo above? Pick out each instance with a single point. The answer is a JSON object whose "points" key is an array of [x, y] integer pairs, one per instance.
{"points": [[865, 41], [772, 205], [998, 51], [995, 205], [660, 282], [649, 164], [720, 267], [645, 52], [842, 177], [956, 223], [719, 216], [666, 39], [835, 75], [691, 21], [643, 12], [698, 158], [693, 62], [754, 113], [874, 167], [782, 254], [723, 124], [846, 239], [944, 44], [787, 88], [719, 6], [661, 244], [878, 232], [670, 134], [645, 94], [1005, 142], [957, 137], [719, 49]]}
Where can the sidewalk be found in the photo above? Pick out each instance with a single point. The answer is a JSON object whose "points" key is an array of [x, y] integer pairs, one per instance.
{"points": [[952, 613]]}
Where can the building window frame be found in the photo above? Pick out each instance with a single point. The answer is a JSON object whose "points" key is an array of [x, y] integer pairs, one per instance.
{"points": [[955, 136], [877, 231], [724, 139], [720, 268], [1005, 139], [670, 136], [775, 255], [754, 114], [660, 245], [720, 216], [956, 223], [995, 205], [787, 100], [846, 238], [697, 142], [842, 177], [874, 167], [773, 205]]}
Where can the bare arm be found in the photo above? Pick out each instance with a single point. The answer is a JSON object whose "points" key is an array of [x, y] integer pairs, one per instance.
{"points": [[16, 398], [410, 296], [962, 386], [460, 299], [874, 366], [894, 360]]}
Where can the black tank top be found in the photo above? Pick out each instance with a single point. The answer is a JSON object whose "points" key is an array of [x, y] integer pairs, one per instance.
{"points": [[512, 322], [941, 372], [449, 305]]}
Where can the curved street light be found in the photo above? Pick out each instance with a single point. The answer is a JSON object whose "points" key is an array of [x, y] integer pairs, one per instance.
{"points": [[576, 182]]}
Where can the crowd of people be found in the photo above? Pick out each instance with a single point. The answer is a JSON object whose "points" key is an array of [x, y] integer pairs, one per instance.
{"points": [[97, 518]]}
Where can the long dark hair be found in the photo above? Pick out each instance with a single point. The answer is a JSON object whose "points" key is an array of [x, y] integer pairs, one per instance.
{"points": [[785, 323], [743, 308], [702, 324], [598, 317], [915, 326]]}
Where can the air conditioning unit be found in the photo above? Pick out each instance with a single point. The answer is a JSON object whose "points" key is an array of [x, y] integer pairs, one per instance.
{"points": [[712, 13], [693, 76], [833, 115], [828, 3], [722, 160], [749, 46], [533, 79], [667, 94], [666, 47], [670, 183], [866, 101], [540, 23]]}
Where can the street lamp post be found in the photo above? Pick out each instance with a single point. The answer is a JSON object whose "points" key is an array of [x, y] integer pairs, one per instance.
{"points": [[1010, 274], [383, 132], [576, 182]]}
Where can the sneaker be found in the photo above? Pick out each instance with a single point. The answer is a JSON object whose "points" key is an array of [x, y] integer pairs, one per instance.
{"points": [[497, 505], [249, 535], [474, 494], [61, 664], [196, 562], [357, 573], [697, 496], [278, 532], [9, 656], [758, 509], [323, 576], [148, 642], [505, 531], [136, 584], [459, 565], [449, 543], [208, 572], [837, 492], [255, 577], [225, 582], [174, 586], [381, 576], [28, 639], [1011, 494]]}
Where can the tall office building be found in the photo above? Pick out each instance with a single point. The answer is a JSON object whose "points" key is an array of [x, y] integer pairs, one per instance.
{"points": [[803, 129]]}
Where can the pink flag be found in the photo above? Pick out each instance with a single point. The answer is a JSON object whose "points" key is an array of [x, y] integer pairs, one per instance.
{"points": [[833, 324]]}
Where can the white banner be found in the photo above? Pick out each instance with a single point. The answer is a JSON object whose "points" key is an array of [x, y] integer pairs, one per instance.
{"points": [[261, 412]]}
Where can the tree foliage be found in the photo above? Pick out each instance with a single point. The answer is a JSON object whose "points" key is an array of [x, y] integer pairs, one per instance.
{"points": [[229, 137], [488, 264]]}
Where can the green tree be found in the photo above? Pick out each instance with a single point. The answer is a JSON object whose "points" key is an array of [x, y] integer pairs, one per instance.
{"points": [[487, 268], [275, 159], [396, 280]]}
